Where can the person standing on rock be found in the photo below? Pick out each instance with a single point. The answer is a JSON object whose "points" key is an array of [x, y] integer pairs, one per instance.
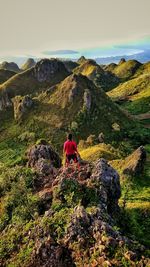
{"points": [[70, 150]]}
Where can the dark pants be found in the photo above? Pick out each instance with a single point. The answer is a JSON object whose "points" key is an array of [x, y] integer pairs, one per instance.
{"points": [[70, 157]]}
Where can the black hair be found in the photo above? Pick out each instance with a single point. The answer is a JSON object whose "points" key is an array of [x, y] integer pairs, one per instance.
{"points": [[69, 136]]}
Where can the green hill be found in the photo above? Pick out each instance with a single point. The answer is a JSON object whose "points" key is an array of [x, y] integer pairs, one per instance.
{"points": [[125, 69], [45, 74], [103, 79], [134, 95]]}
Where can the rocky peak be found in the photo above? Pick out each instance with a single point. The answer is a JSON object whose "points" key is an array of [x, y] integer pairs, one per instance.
{"points": [[81, 60], [21, 105], [134, 163], [43, 158], [46, 69], [122, 60]]}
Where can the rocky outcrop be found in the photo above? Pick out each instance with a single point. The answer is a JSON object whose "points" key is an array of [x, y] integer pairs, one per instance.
{"points": [[122, 60], [5, 101], [101, 138], [46, 69], [81, 60], [43, 158], [21, 105], [87, 99], [134, 164], [109, 181]]}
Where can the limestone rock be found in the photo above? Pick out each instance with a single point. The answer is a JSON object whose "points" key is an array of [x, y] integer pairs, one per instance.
{"points": [[43, 158], [101, 138], [87, 99], [21, 105], [109, 183], [134, 164], [49, 253], [122, 60], [5, 101], [46, 69]]}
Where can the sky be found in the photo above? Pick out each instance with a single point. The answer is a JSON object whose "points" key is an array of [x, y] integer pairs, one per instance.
{"points": [[44, 28]]}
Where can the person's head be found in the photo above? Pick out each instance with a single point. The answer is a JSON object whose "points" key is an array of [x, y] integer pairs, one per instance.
{"points": [[69, 136]]}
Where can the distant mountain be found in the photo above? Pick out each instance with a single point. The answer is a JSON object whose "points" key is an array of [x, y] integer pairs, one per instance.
{"points": [[142, 57], [28, 64], [12, 66]]}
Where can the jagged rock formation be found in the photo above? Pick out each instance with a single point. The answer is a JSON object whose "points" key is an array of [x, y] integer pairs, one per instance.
{"points": [[81, 60], [87, 99], [5, 102], [134, 164], [47, 69], [43, 158], [49, 253], [21, 105], [28, 64], [10, 66], [89, 234]]}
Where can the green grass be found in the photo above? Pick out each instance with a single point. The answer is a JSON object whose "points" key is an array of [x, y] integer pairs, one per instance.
{"points": [[126, 70], [93, 153]]}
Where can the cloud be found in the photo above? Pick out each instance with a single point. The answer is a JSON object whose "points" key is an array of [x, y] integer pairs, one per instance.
{"points": [[60, 52]]}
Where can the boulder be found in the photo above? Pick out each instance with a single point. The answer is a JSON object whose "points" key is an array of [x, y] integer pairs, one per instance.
{"points": [[134, 164], [43, 158], [109, 185], [21, 105], [101, 138], [49, 253]]}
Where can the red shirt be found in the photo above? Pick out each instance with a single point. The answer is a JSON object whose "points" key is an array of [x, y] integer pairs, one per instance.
{"points": [[70, 147]]}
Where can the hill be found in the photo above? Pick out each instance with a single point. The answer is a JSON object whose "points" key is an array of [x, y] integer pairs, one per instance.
{"points": [[45, 74], [5, 75], [131, 89], [9, 66], [28, 64], [125, 69], [103, 79], [134, 95]]}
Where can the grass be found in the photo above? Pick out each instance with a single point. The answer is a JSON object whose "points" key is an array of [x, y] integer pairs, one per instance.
{"points": [[126, 70], [95, 152], [132, 89]]}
